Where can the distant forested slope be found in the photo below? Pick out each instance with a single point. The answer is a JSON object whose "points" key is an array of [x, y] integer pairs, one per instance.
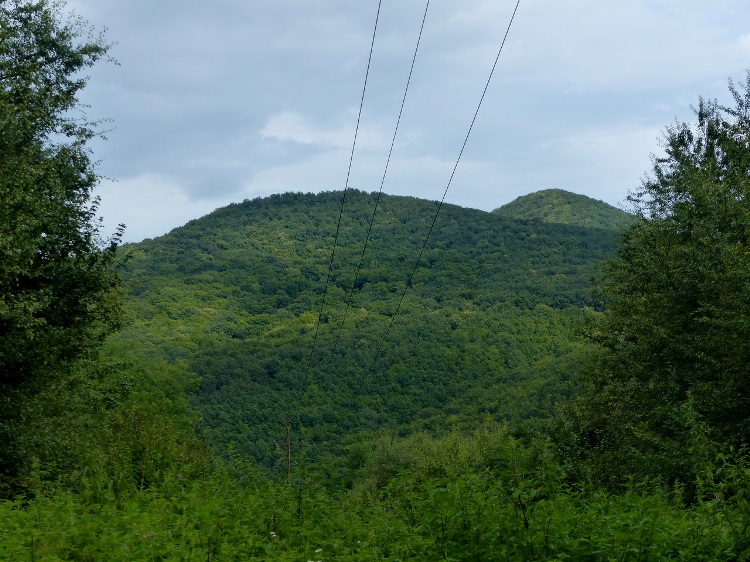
{"points": [[563, 207], [493, 304]]}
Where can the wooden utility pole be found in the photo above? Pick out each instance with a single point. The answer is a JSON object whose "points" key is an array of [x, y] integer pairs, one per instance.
{"points": [[287, 448]]}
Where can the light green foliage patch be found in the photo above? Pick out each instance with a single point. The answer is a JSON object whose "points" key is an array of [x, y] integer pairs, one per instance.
{"points": [[497, 499], [558, 206]]}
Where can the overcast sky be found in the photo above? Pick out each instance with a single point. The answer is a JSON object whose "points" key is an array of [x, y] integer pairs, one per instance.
{"points": [[215, 102]]}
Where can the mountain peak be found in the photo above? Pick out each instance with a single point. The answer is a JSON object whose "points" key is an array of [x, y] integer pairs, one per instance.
{"points": [[564, 207]]}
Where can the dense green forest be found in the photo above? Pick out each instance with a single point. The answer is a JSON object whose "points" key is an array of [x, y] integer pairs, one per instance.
{"points": [[493, 302], [556, 380], [563, 207]]}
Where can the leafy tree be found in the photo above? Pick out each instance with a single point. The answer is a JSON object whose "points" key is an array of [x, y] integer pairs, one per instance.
{"points": [[58, 278], [675, 338]]}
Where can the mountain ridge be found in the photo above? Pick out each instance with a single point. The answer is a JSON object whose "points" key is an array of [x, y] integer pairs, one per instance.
{"points": [[237, 296], [565, 207]]}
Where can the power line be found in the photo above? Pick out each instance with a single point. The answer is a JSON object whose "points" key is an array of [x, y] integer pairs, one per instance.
{"points": [[450, 180], [346, 185], [382, 182]]}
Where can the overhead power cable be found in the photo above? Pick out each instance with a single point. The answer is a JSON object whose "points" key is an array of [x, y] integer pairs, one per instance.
{"points": [[382, 182], [410, 279], [346, 185]]}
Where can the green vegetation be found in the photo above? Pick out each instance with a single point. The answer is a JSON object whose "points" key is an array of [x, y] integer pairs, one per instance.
{"points": [[494, 303], [480, 497], [58, 284], [675, 340], [480, 423], [563, 207], [68, 413]]}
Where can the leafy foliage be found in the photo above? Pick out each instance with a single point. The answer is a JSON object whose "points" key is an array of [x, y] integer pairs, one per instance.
{"points": [[482, 497], [563, 207], [236, 296], [676, 338], [58, 280]]}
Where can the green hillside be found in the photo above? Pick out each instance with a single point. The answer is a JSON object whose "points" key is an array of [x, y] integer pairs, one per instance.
{"points": [[463, 420], [563, 207], [235, 296]]}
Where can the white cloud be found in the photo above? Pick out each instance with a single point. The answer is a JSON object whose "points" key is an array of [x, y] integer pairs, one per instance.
{"points": [[607, 142], [149, 206], [261, 97], [744, 42], [291, 126]]}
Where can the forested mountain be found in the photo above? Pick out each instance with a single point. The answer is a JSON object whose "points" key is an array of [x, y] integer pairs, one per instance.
{"points": [[563, 207], [236, 296], [462, 398]]}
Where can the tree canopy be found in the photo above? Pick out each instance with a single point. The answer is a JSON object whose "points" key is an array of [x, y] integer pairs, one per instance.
{"points": [[485, 329], [676, 334], [558, 206], [58, 279]]}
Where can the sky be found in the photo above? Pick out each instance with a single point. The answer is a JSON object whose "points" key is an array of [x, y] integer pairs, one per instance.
{"points": [[217, 102]]}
